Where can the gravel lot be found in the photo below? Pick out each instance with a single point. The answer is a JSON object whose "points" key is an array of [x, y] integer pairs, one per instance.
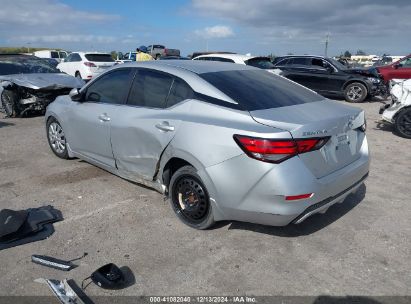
{"points": [[360, 247]]}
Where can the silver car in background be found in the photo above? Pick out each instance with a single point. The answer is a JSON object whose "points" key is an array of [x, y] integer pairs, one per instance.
{"points": [[223, 141]]}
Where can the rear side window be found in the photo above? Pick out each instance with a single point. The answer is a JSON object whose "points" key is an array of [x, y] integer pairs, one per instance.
{"points": [[54, 54], [111, 88], [180, 91], [150, 89], [258, 90], [99, 57], [300, 61], [75, 57]]}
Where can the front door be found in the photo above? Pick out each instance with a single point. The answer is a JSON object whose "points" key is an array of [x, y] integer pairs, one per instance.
{"points": [[90, 120]]}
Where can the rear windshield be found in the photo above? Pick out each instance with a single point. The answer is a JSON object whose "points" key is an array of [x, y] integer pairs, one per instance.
{"points": [[24, 65], [99, 57], [258, 90], [261, 62]]}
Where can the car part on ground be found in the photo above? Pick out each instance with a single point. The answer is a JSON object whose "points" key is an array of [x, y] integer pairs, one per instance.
{"points": [[25, 226], [66, 291], [110, 276], [269, 151], [52, 262], [329, 77], [398, 112], [29, 84]]}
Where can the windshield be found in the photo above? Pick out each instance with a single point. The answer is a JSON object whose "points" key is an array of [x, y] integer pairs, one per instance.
{"points": [[99, 57], [260, 62], [258, 90], [337, 64], [24, 65]]}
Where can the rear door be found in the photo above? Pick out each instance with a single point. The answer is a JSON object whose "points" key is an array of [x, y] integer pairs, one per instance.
{"points": [[143, 128], [89, 120]]}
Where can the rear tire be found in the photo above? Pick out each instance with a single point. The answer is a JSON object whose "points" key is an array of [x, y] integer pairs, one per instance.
{"points": [[56, 138], [189, 198], [158, 56], [8, 103], [355, 92], [78, 75], [403, 123]]}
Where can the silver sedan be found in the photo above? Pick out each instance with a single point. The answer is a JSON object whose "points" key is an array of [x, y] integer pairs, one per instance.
{"points": [[222, 141]]}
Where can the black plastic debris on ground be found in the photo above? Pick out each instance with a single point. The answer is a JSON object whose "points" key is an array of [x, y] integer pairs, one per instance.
{"points": [[26, 226]]}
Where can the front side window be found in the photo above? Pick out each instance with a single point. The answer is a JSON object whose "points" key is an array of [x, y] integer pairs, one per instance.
{"points": [[110, 88], [259, 89], [406, 63], [150, 89]]}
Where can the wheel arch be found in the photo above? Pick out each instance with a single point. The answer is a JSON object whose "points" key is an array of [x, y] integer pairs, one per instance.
{"points": [[350, 81]]}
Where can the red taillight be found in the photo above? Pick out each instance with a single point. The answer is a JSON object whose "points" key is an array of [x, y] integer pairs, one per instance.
{"points": [[277, 150], [298, 197], [89, 64]]}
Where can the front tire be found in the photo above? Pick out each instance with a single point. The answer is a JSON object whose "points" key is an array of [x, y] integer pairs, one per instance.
{"points": [[189, 198], [355, 92], [56, 138], [8, 103], [403, 123]]}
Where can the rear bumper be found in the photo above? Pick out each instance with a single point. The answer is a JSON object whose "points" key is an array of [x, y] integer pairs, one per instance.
{"points": [[325, 204], [251, 191]]}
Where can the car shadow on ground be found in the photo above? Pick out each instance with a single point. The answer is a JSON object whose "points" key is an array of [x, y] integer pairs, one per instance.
{"points": [[311, 224], [5, 124]]}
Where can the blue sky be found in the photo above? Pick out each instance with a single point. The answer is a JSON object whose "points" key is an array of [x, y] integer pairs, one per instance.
{"points": [[258, 27]]}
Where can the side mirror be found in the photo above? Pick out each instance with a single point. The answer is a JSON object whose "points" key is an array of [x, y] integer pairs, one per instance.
{"points": [[398, 65], [75, 94]]}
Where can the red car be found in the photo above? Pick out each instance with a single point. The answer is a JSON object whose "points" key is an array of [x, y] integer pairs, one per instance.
{"points": [[400, 69]]}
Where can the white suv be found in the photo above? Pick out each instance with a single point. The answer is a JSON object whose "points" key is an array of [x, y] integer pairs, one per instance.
{"points": [[86, 65]]}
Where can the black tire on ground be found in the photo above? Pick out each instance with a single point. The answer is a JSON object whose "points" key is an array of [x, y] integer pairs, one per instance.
{"points": [[402, 124], [56, 138], [355, 92], [189, 198], [9, 99]]}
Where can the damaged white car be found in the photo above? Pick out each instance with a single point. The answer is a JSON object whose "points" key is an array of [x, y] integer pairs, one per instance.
{"points": [[29, 84], [398, 112]]}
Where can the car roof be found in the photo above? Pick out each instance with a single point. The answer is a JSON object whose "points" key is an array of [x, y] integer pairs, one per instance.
{"points": [[92, 52], [194, 66], [317, 56], [229, 56]]}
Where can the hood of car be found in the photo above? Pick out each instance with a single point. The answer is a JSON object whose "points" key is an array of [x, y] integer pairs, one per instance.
{"points": [[44, 80], [368, 72]]}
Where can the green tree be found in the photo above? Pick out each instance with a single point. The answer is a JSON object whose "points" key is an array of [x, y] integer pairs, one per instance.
{"points": [[347, 54]]}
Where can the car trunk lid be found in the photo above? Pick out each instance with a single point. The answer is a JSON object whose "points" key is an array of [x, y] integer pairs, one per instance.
{"points": [[327, 118]]}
